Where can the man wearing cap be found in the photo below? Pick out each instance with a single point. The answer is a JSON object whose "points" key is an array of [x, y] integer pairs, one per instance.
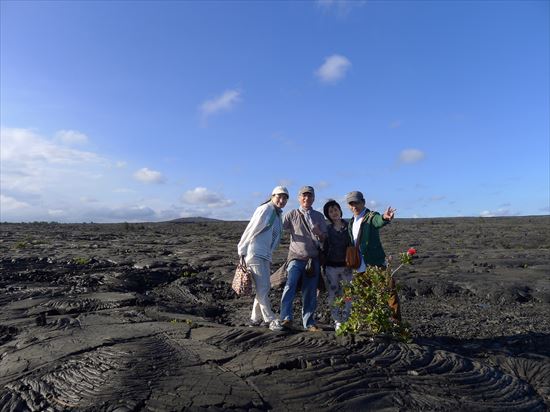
{"points": [[364, 233], [308, 230]]}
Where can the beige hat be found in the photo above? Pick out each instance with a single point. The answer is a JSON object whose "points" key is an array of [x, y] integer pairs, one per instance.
{"points": [[354, 196], [279, 190], [306, 189]]}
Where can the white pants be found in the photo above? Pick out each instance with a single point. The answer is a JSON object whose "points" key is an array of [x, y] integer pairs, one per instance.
{"points": [[261, 271], [334, 277]]}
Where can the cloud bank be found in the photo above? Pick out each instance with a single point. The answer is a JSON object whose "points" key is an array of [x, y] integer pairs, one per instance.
{"points": [[44, 179], [71, 137], [498, 212]]}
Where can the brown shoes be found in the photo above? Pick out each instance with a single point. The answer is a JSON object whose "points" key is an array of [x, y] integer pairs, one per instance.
{"points": [[287, 325]]}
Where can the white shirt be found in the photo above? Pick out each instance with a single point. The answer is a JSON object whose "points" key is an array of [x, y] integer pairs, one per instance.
{"points": [[357, 225], [355, 231]]}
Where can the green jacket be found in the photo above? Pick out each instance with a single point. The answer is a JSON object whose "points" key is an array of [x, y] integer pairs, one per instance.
{"points": [[369, 242]]}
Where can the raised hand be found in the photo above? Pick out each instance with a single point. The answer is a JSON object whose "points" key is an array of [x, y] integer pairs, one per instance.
{"points": [[389, 213]]}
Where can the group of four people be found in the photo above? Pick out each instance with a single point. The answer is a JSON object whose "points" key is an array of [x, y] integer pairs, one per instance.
{"points": [[310, 236]]}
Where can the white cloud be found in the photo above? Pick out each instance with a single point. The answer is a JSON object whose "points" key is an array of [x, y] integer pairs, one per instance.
{"points": [[333, 69], [56, 212], [125, 213], [498, 212], [123, 190], [372, 204], [146, 175], [41, 178], [202, 196], [411, 156], [71, 137], [86, 199], [322, 184], [25, 147], [32, 164], [120, 164], [226, 101], [341, 7], [8, 203]]}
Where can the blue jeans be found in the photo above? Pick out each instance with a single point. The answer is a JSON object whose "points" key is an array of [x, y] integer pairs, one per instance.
{"points": [[296, 271]]}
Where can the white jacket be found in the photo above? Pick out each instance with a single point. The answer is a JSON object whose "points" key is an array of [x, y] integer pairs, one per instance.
{"points": [[257, 239]]}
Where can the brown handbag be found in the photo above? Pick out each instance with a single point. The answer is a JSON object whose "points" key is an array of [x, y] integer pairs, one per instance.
{"points": [[353, 254], [278, 278], [353, 260]]}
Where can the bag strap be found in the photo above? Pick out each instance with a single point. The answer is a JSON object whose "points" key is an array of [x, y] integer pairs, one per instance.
{"points": [[270, 221], [313, 235], [305, 222], [272, 218]]}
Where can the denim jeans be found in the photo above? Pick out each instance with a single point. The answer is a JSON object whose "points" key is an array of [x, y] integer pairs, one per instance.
{"points": [[296, 272]]}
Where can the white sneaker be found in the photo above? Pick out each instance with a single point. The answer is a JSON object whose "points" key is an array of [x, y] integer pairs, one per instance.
{"points": [[337, 326], [275, 325]]}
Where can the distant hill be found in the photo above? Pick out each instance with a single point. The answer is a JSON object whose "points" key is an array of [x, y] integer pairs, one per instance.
{"points": [[197, 219]]}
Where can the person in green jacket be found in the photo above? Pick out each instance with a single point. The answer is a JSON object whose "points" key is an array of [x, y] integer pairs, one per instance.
{"points": [[364, 233]]}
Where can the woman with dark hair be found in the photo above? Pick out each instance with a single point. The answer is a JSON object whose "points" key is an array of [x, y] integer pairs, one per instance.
{"points": [[260, 238], [336, 271]]}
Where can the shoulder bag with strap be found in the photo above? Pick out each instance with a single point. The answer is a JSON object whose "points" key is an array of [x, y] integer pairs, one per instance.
{"points": [[309, 269]]}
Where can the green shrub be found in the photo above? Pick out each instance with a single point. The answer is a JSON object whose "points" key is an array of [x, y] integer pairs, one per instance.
{"points": [[82, 260], [369, 293], [21, 245]]}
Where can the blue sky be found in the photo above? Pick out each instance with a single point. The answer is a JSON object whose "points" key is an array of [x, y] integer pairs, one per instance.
{"points": [[149, 111]]}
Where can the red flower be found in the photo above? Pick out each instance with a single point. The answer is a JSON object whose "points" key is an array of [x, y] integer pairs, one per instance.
{"points": [[411, 251], [348, 299]]}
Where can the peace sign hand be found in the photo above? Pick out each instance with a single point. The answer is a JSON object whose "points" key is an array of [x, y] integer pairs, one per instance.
{"points": [[389, 213]]}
